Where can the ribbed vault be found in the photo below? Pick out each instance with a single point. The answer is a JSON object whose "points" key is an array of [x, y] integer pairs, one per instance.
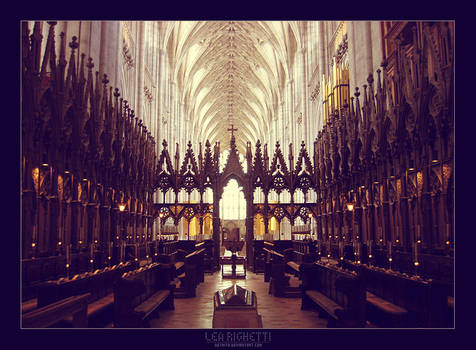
{"points": [[231, 73]]}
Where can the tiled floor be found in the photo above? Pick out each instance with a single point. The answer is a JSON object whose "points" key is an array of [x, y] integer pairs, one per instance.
{"points": [[276, 312]]}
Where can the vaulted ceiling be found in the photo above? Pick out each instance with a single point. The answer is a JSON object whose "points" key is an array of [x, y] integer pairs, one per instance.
{"points": [[231, 73]]}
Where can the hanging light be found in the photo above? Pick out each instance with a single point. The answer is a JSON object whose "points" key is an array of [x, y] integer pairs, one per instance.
{"points": [[122, 207], [350, 206]]}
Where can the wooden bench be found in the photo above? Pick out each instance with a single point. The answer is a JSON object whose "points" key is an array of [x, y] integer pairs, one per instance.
{"points": [[191, 274], [295, 258], [272, 257], [275, 273], [259, 256], [175, 258], [99, 285], [48, 315], [139, 294], [196, 258], [338, 294], [396, 300]]}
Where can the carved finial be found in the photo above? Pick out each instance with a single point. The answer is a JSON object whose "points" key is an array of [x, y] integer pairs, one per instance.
{"points": [[189, 144], [378, 79], [116, 93], [164, 143], [105, 80], [74, 44], [357, 93], [370, 79], [90, 64], [52, 23], [303, 144]]}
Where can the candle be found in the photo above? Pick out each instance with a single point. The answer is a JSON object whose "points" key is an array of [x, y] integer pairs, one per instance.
{"points": [[447, 232], [370, 248], [389, 244], [109, 249], [68, 254], [415, 252]]}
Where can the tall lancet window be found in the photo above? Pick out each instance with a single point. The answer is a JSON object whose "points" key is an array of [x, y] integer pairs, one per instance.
{"points": [[233, 204]]}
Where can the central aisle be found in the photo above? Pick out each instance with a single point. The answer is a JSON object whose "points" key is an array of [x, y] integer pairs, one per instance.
{"points": [[276, 312]]}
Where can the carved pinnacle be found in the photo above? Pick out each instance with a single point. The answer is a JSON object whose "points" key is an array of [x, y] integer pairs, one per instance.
{"points": [[74, 44], [90, 64], [370, 79]]}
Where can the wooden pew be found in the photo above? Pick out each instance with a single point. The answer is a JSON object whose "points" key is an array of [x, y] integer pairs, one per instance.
{"points": [[272, 256], [196, 258], [99, 285], [275, 272], [138, 295], [174, 258], [268, 249], [208, 261], [193, 273], [74, 306], [339, 294], [259, 256], [398, 300], [294, 258]]}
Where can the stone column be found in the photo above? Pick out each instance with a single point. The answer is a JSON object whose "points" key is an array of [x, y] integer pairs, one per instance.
{"points": [[368, 47], [108, 58], [140, 70], [160, 99], [322, 43], [351, 52], [305, 98]]}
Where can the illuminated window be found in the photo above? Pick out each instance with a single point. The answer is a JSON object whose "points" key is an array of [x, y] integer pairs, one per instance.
{"points": [[233, 204]]}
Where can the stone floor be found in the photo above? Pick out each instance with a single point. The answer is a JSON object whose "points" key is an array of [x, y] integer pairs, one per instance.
{"points": [[276, 312]]}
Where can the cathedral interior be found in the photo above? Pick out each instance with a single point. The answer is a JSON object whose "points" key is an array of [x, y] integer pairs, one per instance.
{"points": [[237, 174]]}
